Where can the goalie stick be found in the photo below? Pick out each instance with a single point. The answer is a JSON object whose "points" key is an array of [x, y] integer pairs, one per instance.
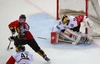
{"points": [[41, 37]]}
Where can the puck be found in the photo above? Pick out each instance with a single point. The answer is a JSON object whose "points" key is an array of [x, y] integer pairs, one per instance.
{"points": [[11, 47]]}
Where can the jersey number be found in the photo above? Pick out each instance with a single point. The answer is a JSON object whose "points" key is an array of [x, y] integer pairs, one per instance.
{"points": [[24, 56]]}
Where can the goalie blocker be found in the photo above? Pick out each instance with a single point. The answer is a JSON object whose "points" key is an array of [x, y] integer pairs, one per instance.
{"points": [[54, 37], [70, 37]]}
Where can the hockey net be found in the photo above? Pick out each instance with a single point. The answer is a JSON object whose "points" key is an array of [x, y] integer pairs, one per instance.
{"points": [[89, 8]]}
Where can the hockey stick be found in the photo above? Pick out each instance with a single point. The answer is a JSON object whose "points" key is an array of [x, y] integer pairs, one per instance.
{"points": [[41, 37], [9, 44], [8, 47]]}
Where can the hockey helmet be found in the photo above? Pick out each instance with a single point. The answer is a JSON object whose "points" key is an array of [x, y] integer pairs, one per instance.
{"points": [[65, 19], [21, 48], [22, 16]]}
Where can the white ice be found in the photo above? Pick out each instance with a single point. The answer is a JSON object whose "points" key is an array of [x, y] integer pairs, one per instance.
{"points": [[41, 25]]}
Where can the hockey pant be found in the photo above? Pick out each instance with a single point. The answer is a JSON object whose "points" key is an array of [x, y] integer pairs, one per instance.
{"points": [[32, 43], [74, 37]]}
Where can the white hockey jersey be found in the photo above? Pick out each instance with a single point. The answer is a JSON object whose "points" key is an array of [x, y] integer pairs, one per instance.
{"points": [[21, 58], [60, 26], [72, 23], [75, 21]]}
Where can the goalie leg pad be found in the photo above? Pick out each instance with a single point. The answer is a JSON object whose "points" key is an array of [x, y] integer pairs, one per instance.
{"points": [[86, 39], [64, 38], [90, 40], [70, 36]]}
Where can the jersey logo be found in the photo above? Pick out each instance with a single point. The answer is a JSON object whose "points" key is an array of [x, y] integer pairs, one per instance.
{"points": [[72, 25]]}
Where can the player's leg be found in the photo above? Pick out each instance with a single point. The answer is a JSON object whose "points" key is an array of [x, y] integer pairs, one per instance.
{"points": [[89, 39], [71, 36], [85, 39], [33, 44], [18, 42], [65, 37], [78, 37]]}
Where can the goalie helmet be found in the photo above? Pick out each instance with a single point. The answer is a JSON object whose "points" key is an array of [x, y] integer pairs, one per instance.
{"points": [[21, 48], [65, 19]]}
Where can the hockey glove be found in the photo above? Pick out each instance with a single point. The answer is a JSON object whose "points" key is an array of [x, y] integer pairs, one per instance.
{"points": [[11, 38], [13, 31]]}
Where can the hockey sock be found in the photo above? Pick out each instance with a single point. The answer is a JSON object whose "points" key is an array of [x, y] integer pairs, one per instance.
{"points": [[41, 52], [16, 49]]}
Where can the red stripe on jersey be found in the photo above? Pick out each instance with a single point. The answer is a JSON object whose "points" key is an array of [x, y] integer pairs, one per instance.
{"points": [[11, 60]]}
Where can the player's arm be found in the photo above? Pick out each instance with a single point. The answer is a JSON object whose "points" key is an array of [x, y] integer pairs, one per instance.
{"points": [[12, 30], [27, 27], [11, 60], [12, 26]]}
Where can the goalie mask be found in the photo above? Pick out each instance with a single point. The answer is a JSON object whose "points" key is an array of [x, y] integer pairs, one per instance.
{"points": [[65, 19]]}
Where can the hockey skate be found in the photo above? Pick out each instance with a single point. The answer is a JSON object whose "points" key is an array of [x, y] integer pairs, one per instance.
{"points": [[46, 58]]}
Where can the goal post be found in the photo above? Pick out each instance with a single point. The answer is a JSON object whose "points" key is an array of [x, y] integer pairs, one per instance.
{"points": [[86, 8]]}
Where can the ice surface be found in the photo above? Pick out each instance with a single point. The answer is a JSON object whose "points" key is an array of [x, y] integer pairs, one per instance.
{"points": [[61, 53], [41, 25]]}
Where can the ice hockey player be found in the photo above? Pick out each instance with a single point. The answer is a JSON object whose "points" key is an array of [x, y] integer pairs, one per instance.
{"points": [[68, 29], [21, 56], [24, 36]]}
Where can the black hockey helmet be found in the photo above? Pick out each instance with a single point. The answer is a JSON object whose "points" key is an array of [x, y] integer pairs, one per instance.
{"points": [[22, 16], [21, 48]]}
